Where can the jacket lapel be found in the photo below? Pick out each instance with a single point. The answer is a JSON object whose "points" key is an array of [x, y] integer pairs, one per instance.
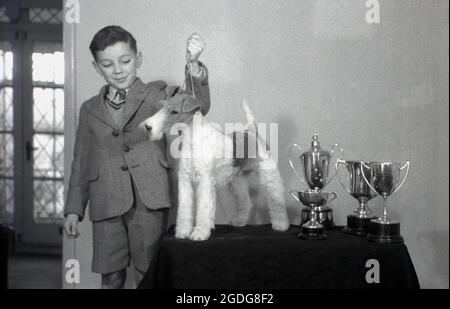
{"points": [[98, 109], [135, 98]]}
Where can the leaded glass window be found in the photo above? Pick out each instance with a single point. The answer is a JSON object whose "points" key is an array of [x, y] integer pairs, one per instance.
{"points": [[45, 16], [3, 16], [6, 135], [48, 131]]}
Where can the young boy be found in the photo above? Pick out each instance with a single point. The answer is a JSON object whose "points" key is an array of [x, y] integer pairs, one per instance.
{"points": [[122, 174]]}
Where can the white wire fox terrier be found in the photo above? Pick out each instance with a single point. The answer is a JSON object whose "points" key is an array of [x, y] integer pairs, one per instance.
{"points": [[210, 158]]}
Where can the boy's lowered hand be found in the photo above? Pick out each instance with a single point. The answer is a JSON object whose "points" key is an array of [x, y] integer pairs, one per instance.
{"points": [[71, 225]]}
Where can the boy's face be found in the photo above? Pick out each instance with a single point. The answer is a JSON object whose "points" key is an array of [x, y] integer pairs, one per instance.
{"points": [[118, 65]]}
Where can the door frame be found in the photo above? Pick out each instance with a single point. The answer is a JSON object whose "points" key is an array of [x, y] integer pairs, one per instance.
{"points": [[32, 232], [20, 36]]}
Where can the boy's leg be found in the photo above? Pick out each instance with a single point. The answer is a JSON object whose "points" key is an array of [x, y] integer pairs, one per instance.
{"points": [[145, 228], [111, 252], [115, 280]]}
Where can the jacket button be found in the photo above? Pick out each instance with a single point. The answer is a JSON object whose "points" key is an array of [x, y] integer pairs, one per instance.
{"points": [[124, 168], [126, 148], [115, 133]]}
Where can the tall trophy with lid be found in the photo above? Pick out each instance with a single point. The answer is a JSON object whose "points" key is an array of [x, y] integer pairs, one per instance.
{"points": [[314, 173]]}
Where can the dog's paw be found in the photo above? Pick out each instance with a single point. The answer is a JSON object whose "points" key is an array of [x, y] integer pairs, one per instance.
{"points": [[200, 234], [280, 226], [238, 222], [183, 232]]}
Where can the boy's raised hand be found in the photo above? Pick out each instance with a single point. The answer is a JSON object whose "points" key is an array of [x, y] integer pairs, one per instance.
{"points": [[194, 47]]}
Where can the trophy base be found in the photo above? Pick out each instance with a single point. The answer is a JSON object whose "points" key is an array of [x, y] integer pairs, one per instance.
{"points": [[324, 215], [384, 232], [357, 226], [312, 233]]}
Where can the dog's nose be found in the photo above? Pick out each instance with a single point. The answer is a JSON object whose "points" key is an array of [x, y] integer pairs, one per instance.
{"points": [[148, 128]]}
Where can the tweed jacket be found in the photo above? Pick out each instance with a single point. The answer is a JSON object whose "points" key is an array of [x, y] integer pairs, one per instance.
{"points": [[109, 157]]}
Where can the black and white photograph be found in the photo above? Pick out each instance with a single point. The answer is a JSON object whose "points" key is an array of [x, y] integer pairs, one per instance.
{"points": [[240, 146]]}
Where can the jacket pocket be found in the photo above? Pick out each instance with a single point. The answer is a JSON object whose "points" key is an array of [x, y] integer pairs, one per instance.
{"points": [[92, 172], [163, 162]]}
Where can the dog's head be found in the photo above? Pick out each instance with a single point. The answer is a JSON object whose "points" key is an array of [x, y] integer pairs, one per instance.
{"points": [[180, 108]]}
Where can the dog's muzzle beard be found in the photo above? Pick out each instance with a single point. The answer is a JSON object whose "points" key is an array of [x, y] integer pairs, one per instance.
{"points": [[155, 126], [155, 136]]}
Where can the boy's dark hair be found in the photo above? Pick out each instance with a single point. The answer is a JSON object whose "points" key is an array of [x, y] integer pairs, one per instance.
{"points": [[110, 35]]}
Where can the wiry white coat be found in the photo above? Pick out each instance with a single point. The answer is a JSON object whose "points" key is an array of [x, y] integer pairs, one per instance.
{"points": [[206, 163]]}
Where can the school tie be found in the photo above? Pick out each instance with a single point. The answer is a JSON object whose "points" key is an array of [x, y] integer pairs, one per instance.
{"points": [[119, 99]]}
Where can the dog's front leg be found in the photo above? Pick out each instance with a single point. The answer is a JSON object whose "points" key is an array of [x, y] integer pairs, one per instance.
{"points": [[185, 216], [206, 208]]}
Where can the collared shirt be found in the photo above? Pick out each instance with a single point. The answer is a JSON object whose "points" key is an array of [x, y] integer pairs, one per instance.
{"points": [[111, 93], [116, 114]]}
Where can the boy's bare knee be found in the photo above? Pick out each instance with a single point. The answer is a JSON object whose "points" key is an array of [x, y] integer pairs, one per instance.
{"points": [[115, 280]]}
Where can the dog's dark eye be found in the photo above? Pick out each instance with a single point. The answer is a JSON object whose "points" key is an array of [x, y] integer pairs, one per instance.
{"points": [[174, 113]]}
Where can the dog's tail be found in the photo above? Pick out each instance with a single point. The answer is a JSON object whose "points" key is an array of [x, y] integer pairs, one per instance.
{"points": [[251, 122], [252, 127]]}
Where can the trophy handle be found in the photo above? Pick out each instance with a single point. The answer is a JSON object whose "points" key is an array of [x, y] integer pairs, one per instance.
{"points": [[339, 162], [364, 176], [406, 176], [332, 154], [292, 164], [333, 198], [294, 195]]}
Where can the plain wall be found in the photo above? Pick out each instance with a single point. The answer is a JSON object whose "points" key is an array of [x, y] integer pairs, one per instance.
{"points": [[381, 90]]}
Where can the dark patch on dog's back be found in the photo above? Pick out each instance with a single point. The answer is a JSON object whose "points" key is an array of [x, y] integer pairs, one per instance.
{"points": [[244, 148]]}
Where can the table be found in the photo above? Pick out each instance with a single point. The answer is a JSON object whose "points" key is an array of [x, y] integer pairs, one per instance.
{"points": [[256, 257]]}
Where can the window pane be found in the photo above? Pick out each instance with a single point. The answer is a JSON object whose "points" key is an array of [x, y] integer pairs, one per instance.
{"points": [[6, 201], [48, 63], [48, 201], [6, 62], [6, 109], [48, 156], [6, 178], [59, 110], [46, 16], [6, 155], [48, 109], [3, 16]]}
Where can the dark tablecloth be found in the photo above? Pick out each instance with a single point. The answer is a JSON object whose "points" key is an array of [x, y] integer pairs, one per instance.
{"points": [[255, 257]]}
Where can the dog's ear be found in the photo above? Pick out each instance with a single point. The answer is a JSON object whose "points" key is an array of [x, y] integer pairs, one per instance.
{"points": [[172, 91], [191, 105], [160, 104]]}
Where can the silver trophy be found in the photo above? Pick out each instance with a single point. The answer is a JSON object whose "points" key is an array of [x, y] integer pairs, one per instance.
{"points": [[315, 164], [384, 178], [358, 222], [314, 200]]}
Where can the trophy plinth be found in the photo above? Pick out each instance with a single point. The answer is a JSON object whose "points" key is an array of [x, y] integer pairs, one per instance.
{"points": [[316, 217], [384, 232], [357, 226], [384, 179], [324, 215], [311, 232]]}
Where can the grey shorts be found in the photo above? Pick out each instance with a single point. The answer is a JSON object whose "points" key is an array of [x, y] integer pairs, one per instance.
{"points": [[133, 236]]}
